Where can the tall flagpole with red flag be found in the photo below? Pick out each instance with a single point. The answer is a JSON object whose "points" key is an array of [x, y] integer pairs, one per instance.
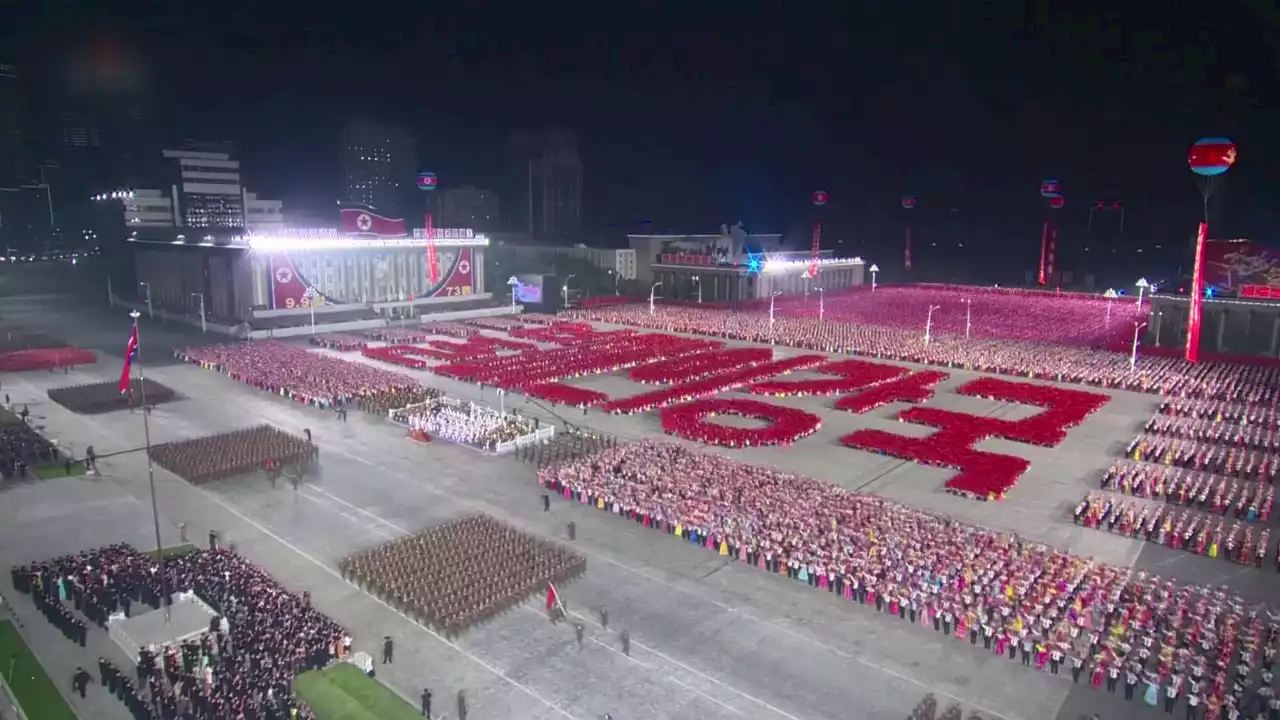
{"points": [[132, 357]]}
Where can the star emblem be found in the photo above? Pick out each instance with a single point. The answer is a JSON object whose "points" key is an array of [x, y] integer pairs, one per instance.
{"points": [[284, 275], [363, 221], [464, 267]]}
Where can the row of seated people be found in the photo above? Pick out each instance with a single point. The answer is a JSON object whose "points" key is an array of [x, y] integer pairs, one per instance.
{"points": [[242, 666]]}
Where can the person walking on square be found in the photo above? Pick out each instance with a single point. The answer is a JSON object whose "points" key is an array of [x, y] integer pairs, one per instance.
{"points": [[426, 703], [578, 631], [462, 705], [80, 681], [604, 617], [626, 643], [388, 651]]}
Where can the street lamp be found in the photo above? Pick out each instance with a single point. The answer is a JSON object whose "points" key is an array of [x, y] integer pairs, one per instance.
{"points": [[150, 312], [1111, 296], [821, 304], [1133, 356], [203, 327], [873, 270], [514, 283], [772, 297], [698, 281], [968, 316], [652, 290], [616, 277], [565, 289], [1159, 322], [1142, 285], [310, 297], [928, 324]]}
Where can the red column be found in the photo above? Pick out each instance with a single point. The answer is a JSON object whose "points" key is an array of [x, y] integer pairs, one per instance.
{"points": [[1197, 296]]}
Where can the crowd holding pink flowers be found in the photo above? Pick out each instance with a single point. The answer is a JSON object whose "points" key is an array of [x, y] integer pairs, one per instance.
{"points": [[1171, 376], [1060, 610], [293, 372], [339, 341]]}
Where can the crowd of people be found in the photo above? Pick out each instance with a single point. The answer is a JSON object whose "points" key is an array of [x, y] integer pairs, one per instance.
{"points": [[307, 377], [237, 452], [455, 575], [1034, 355], [1187, 645], [242, 667], [385, 402], [106, 396], [569, 444], [341, 342], [465, 423], [1249, 501], [1186, 530], [22, 448]]}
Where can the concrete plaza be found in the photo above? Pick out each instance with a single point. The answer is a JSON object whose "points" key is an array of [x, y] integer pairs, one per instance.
{"points": [[710, 638]]}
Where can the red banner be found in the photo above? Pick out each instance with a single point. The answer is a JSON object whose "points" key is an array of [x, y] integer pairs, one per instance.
{"points": [[817, 247], [461, 280], [1197, 294], [1051, 256], [288, 287], [906, 253], [1260, 292], [433, 262], [1044, 248], [683, 259], [363, 222]]}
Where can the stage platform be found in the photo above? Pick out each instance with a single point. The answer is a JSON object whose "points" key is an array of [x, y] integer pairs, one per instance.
{"points": [[189, 616]]}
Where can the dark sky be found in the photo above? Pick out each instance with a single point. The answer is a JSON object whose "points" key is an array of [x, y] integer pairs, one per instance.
{"points": [[690, 117]]}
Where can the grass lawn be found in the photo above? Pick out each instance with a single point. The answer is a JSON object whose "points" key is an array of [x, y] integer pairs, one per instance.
{"points": [[343, 692], [56, 470], [35, 692], [173, 552]]}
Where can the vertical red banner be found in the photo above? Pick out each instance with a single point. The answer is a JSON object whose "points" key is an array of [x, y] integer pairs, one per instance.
{"points": [[1044, 247], [906, 251], [1192, 353], [1051, 253], [433, 263], [817, 246]]}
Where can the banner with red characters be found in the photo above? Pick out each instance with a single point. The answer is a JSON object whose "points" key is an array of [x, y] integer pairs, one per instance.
{"points": [[288, 287]]}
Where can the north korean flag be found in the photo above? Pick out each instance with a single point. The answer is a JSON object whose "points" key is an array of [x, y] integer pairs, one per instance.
{"points": [[356, 221]]}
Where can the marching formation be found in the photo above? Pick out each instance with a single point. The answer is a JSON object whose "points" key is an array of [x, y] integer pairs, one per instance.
{"points": [[464, 572], [1186, 530], [238, 452]]}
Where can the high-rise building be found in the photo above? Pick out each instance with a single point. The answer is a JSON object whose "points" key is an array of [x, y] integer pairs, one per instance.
{"points": [[206, 185], [469, 207], [13, 155], [553, 184], [379, 162]]}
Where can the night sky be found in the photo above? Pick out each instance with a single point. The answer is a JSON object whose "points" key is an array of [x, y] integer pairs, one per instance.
{"points": [[691, 117]]}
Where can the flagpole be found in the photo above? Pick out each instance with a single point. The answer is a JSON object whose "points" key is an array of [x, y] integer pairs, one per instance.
{"points": [[151, 471]]}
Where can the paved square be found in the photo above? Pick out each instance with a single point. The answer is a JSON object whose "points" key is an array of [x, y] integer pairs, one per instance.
{"points": [[710, 639]]}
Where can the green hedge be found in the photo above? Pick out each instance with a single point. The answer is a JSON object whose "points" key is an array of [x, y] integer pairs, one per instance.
{"points": [[343, 692], [31, 685]]}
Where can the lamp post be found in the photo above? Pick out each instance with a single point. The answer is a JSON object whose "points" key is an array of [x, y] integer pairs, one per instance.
{"points": [[772, 297], [1159, 322], [697, 280], [203, 327], [928, 324], [513, 282], [1142, 285], [310, 297], [1133, 355], [151, 314], [873, 270], [564, 290], [652, 290], [968, 316], [821, 304], [151, 473], [1111, 296], [616, 277]]}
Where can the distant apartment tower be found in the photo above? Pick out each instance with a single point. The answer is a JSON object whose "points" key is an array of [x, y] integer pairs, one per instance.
{"points": [[379, 163], [13, 156], [552, 184], [469, 207]]}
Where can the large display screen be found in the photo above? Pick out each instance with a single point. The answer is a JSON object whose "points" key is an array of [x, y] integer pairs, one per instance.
{"points": [[529, 289]]}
